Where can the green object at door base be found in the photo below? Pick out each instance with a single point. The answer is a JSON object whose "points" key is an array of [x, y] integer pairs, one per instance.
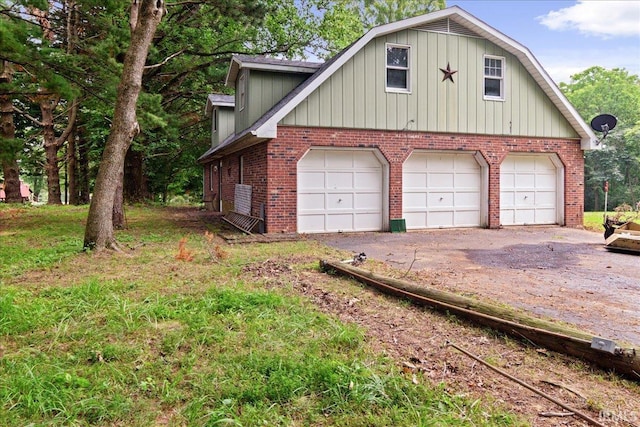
{"points": [[398, 225]]}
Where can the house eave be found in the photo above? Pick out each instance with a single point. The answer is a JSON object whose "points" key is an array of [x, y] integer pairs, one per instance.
{"points": [[232, 145], [267, 132], [590, 144], [215, 100]]}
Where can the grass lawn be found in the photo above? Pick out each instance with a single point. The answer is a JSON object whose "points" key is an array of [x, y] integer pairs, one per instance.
{"points": [[162, 336], [593, 220]]}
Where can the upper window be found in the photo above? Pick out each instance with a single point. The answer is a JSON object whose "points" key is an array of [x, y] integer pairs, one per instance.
{"points": [[242, 90], [493, 77], [397, 68], [214, 125]]}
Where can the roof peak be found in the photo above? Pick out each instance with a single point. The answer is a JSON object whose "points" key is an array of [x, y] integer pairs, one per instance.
{"points": [[265, 63], [247, 60]]}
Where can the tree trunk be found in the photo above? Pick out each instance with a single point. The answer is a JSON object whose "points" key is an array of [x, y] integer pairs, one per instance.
{"points": [[83, 171], [10, 168], [51, 147], [72, 149], [83, 165], [99, 229], [11, 173], [37, 187], [72, 168], [52, 144], [135, 180], [117, 215]]}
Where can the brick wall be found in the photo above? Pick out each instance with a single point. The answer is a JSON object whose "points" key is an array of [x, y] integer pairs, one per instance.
{"points": [[229, 172], [255, 175], [254, 168], [210, 195], [278, 160]]}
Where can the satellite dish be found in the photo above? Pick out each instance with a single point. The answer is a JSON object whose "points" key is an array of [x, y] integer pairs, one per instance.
{"points": [[603, 123]]}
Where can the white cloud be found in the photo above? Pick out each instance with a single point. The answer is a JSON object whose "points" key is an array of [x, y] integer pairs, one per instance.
{"points": [[561, 64], [600, 18]]}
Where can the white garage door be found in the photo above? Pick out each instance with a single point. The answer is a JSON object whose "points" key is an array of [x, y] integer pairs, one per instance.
{"points": [[339, 190], [441, 190], [528, 190]]}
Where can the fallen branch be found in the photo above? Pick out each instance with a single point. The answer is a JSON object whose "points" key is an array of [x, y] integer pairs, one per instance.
{"points": [[556, 414], [415, 253], [529, 387], [566, 387]]}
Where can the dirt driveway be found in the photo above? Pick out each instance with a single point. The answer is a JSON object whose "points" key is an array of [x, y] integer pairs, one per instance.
{"points": [[555, 272]]}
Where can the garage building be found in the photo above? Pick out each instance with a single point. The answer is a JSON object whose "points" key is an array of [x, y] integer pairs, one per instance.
{"points": [[435, 121]]}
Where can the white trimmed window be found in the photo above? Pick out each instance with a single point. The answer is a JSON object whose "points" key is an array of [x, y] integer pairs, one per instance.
{"points": [[242, 90], [397, 65], [494, 77]]}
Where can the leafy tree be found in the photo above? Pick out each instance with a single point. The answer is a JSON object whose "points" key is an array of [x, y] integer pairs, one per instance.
{"points": [[15, 42], [189, 60], [32, 51], [190, 52], [596, 91], [45, 76], [377, 12], [8, 145], [336, 24]]}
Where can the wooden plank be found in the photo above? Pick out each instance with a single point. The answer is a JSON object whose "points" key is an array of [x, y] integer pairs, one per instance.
{"points": [[625, 238]]}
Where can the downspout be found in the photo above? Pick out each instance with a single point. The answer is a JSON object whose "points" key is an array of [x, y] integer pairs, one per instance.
{"points": [[219, 185]]}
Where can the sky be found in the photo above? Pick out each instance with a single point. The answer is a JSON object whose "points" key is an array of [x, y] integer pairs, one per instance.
{"points": [[567, 37]]}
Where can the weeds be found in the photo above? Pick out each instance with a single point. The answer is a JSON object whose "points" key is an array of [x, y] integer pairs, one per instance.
{"points": [[128, 340], [216, 252], [183, 253]]}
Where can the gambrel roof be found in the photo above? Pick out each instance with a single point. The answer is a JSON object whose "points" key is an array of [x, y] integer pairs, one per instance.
{"points": [[452, 19]]}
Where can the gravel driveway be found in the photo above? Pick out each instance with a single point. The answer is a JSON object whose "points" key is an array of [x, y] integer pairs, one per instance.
{"points": [[555, 272]]}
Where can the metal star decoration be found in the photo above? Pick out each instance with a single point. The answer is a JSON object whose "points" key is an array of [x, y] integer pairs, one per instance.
{"points": [[448, 74]]}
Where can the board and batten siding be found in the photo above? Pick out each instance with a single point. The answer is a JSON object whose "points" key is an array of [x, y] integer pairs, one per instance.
{"points": [[264, 89], [355, 97], [226, 120]]}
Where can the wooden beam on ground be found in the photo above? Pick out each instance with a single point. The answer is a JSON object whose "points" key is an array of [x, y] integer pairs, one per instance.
{"points": [[546, 334]]}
